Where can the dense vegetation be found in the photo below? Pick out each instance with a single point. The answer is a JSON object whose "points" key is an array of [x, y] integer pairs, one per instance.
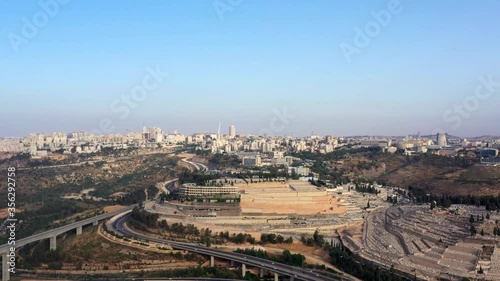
{"points": [[272, 238], [286, 257], [316, 240], [352, 264], [492, 203], [223, 161], [35, 254], [191, 177], [364, 188], [337, 154], [39, 194], [430, 159], [207, 272], [147, 218], [51, 209]]}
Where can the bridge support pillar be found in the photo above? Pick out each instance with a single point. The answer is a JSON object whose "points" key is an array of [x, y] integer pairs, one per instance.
{"points": [[291, 278], [212, 262], [53, 243], [5, 267], [79, 230], [243, 269], [232, 263], [276, 277], [95, 223], [261, 273]]}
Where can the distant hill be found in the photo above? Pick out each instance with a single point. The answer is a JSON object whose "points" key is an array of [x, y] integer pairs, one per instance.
{"points": [[439, 175]]}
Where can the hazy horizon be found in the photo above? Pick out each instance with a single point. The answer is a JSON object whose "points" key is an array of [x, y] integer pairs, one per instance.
{"points": [[277, 67]]}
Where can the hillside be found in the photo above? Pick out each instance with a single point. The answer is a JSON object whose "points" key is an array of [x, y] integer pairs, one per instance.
{"points": [[438, 177]]}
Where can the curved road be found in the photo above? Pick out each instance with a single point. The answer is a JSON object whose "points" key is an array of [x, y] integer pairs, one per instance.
{"points": [[198, 166], [118, 226]]}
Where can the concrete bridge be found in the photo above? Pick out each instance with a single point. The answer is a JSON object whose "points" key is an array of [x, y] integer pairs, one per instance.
{"points": [[52, 236], [117, 224]]}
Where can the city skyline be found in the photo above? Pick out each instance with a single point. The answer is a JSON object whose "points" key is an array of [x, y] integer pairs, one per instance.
{"points": [[190, 65], [250, 140], [229, 133]]}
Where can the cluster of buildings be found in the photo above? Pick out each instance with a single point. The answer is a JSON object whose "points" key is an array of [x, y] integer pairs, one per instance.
{"points": [[82, 142], [277, 158], [440, 144], [233, 143]]}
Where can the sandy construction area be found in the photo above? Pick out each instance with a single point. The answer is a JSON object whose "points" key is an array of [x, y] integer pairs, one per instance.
{"points": [[281, 198], [291, 202], [113, 208]]}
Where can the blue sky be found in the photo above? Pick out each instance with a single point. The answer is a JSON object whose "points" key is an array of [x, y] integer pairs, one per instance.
{"points": [[245, 63]]}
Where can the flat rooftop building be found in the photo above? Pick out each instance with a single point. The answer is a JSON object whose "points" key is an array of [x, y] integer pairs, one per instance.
{"points": [[193, 190]]}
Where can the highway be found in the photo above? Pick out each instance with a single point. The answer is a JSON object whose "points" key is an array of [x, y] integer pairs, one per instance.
{"points": [[60, 230], [118, 226], [198, 166]]}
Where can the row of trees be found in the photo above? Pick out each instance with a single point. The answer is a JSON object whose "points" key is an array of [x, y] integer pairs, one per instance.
{"points": [[272, 238], [286, 257], [191, 177], [316, 240], [179, 228], [205, 234], [239, 238], [366, 188], [419, 195]]}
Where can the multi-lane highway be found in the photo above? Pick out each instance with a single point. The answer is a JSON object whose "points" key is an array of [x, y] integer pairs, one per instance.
{"points": [[119, 226]]}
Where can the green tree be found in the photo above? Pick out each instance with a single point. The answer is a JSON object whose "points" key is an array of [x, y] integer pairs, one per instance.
{"points": [[472, 230]]}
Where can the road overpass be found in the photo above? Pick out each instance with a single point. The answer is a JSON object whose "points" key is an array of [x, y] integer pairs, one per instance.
{"points": [[52, 236], [117, 224]]}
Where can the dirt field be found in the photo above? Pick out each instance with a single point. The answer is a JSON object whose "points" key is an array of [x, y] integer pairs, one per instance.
{"points": [[113, 208], [3, 213]]}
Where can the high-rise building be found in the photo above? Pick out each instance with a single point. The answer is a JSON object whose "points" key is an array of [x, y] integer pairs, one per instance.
{"points": [[232, 131]]}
